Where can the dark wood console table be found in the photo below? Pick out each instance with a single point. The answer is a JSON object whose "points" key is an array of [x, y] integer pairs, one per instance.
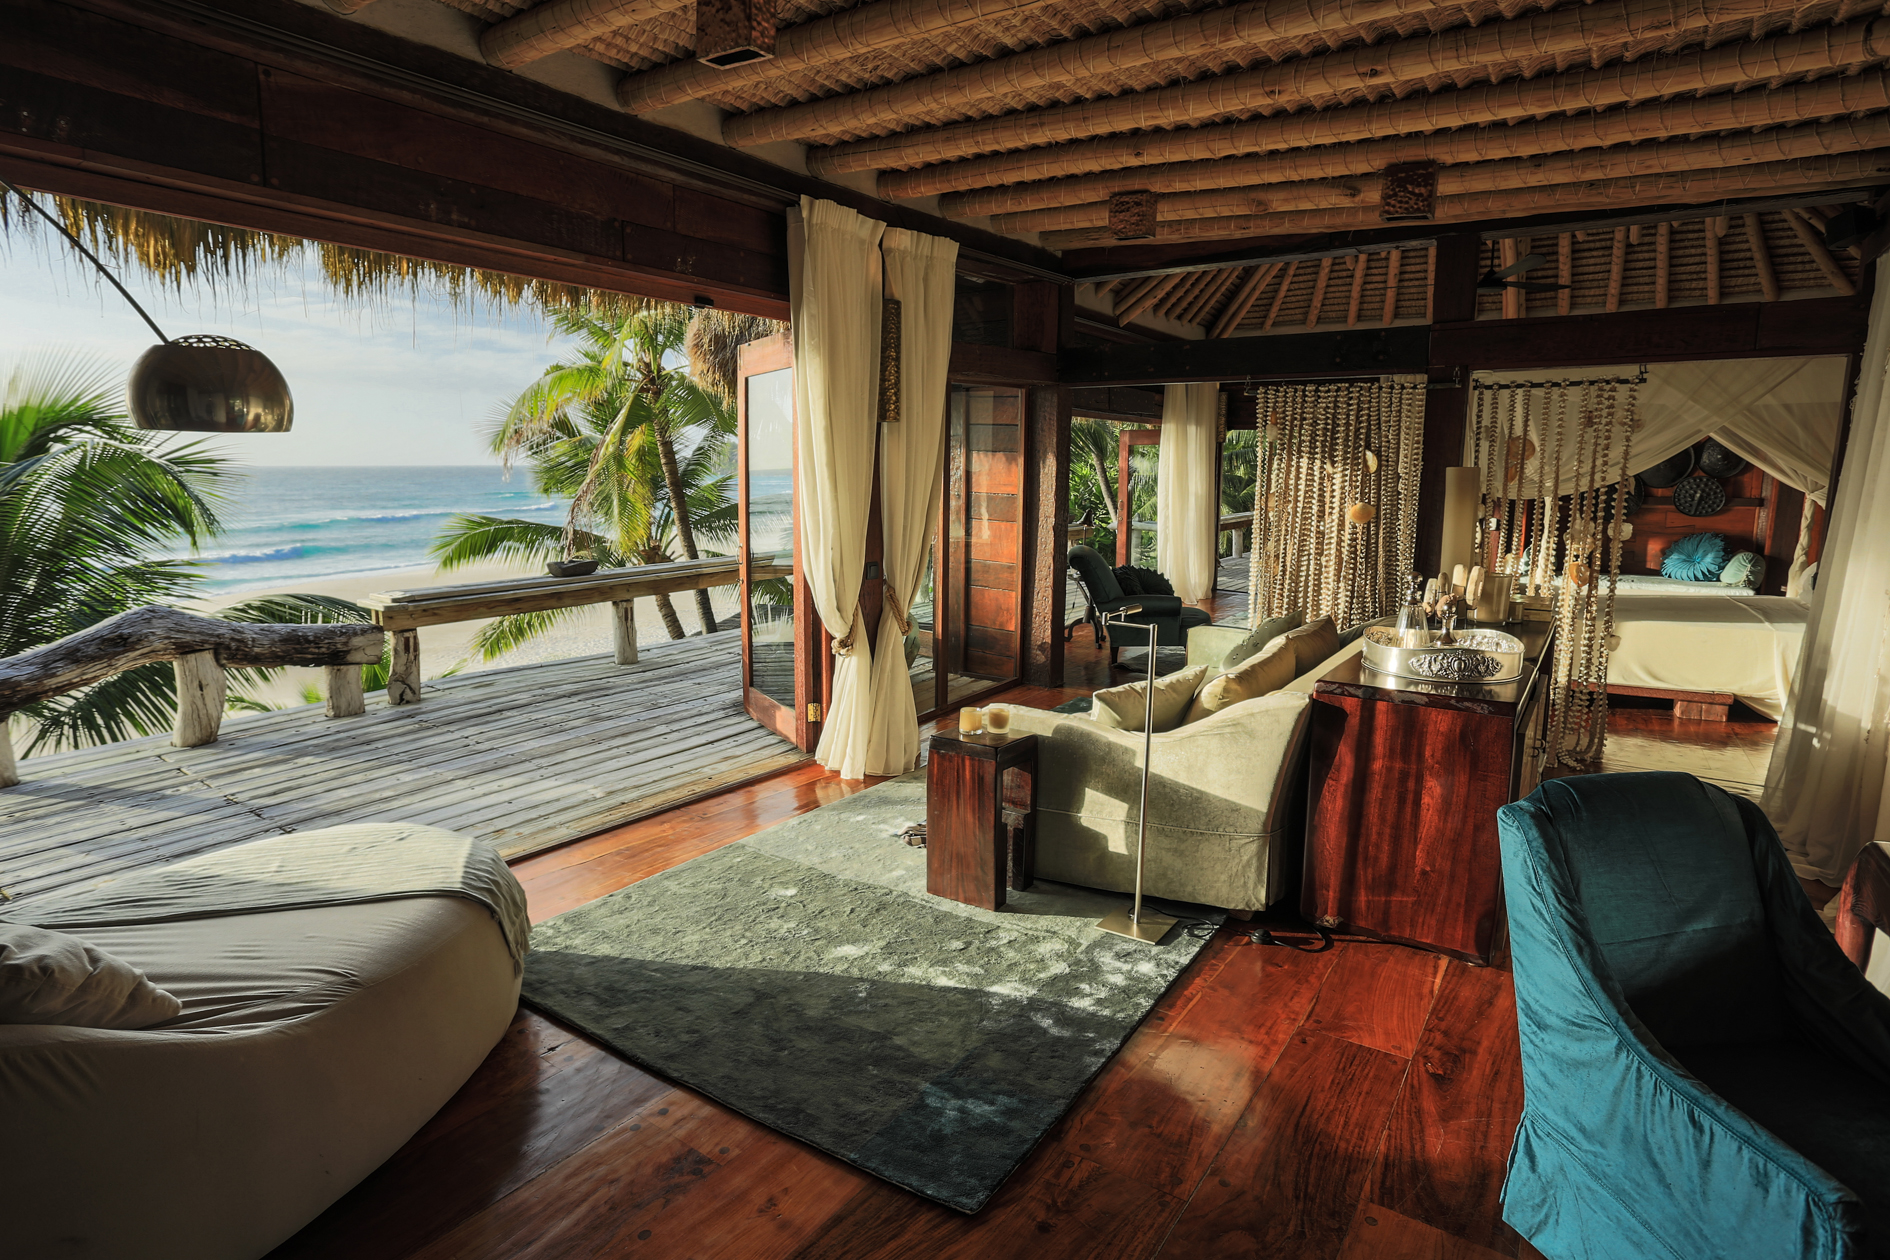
{"points": [[980, 803], [1407, 777]]}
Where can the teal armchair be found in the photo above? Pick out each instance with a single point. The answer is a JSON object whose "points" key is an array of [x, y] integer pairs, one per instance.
{"points": [[1705, 1074], [1169, 618]]}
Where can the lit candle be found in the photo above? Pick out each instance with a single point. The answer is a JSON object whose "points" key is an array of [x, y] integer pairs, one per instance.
{"points": [[969, 722]]}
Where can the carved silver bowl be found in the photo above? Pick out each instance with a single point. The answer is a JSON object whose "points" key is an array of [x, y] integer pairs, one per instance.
{"points": [[1477, 656]]}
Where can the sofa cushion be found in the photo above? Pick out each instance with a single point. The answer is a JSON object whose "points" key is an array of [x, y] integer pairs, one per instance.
{"points": [[1258, 639], [1312, 643], [1136, 581], [1259, 675], [51, 978], [1745, 569], [1124, 707]]}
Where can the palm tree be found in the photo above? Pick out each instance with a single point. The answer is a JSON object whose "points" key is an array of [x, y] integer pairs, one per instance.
{"points": [[628, 436], [87, 504]]}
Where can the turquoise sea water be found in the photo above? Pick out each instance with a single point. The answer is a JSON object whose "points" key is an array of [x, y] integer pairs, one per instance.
{"points": [[302, 524]]}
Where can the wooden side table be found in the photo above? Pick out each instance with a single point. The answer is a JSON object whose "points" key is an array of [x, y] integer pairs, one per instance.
{"points": [[980, 826]]}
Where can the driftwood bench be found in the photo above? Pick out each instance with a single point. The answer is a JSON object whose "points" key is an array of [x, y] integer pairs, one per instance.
{"points": [[403, 613], [200, 649]]}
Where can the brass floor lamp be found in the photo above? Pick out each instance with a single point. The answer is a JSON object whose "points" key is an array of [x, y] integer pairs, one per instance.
{"points": [[1136, 923]]}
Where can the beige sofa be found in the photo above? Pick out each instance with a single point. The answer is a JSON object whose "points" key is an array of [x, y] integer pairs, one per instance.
{"points": [[1225, 793]]}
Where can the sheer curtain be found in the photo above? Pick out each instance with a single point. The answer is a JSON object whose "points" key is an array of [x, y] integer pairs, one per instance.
{"points": [[1824, 788], [1187, 502], [920, 273], [834, 302], [1782, 414]]}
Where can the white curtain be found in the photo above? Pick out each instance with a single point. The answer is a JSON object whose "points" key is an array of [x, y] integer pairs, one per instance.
{"points": [[1782, 414], [834, 305], [920, 272], [1824, 788], [1187, 502]]}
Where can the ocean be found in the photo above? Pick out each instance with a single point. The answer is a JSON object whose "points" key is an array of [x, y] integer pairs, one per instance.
{"points": [[290, 525]]}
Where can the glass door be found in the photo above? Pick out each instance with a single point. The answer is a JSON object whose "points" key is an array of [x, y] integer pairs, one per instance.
{"points": [[782, 639]]}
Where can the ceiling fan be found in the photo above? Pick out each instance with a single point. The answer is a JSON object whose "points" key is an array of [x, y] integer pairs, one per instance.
{"points": [[1497, 281]]}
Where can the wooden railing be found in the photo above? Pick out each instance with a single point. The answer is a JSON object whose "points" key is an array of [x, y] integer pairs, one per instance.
{"points": [[200, 648], [403, 613]]}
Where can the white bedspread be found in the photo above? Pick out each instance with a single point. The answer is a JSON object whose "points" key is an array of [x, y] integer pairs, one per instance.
{"points": [[1745, 645]]}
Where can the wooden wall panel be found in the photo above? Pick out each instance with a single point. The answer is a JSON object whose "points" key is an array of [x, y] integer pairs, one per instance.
{"points": [[988, 430], [1751, 502]]}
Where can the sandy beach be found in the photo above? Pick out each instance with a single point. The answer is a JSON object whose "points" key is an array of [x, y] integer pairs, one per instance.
{"points": [[449, 648]]}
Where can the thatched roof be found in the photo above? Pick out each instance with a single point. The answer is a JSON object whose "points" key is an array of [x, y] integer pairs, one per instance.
{"points": [[1270, 117], [179, 252]]}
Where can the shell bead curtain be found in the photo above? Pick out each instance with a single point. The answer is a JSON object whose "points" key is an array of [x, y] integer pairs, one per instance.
{"points": [[1557, 439], [1336, 496]]}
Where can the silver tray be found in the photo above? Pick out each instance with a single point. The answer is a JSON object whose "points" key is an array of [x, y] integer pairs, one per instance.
{"points": [[1478, 656]]}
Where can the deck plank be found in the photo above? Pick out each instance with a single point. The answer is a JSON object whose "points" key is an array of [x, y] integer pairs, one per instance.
{"points": [[524, 757]]}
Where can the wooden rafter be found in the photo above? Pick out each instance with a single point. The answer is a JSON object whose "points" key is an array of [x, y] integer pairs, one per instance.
{"points": [[1715, 229], [1813, 241], [1244, 298], [558, 25], [1843, 171], [1807, 52], [1361, 263], [1279, 298], [1663, 264], [970, 90], [1148, 297], [1617, 266], [1466, 53], [811, 44], [1688, 116], [1564, 271], [1393, 267], [1319, 291], [1761, 257]]}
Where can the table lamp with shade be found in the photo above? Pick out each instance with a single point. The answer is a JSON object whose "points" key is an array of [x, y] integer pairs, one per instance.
{"points": [[1136, 923]]}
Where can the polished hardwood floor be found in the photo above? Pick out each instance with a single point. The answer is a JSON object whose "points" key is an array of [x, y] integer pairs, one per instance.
{"points": [[1355, 1103]]}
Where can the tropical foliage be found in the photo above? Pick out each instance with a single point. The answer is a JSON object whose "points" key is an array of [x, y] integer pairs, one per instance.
{"points": [[637, 435], [91, 510]]}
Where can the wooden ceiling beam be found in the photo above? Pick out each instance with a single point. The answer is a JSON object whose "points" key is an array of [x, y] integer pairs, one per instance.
{"points": [[1734, 149], [1377, 68], [798, 48], [1686, 116], [1813, 241], [559, 25], [1244, 299], [971, 90], [1855, 44], [1850, 170]]}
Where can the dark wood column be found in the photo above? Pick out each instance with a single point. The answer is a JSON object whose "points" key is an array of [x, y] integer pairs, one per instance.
{"points": [[1453, 299], [1044, 319]]}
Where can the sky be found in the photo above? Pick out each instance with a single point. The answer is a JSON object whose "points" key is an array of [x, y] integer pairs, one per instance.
{"points": [[404, 383]]}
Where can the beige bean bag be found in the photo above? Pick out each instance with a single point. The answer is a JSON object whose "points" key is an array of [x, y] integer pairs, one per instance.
{"points": [[323, 1023]]}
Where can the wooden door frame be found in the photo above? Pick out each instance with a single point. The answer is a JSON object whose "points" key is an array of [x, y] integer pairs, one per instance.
{"points": [[1125, 502], [813, 670]]}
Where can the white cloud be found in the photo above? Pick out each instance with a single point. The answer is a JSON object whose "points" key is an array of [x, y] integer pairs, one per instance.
{"points": [[403, 383]]}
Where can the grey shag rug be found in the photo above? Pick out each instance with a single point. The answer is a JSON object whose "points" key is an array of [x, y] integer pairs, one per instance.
{"points": [[804, 978]]}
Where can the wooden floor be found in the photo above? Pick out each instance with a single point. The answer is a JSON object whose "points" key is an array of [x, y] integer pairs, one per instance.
{"points": [[523, 758], [1352, 1104]]}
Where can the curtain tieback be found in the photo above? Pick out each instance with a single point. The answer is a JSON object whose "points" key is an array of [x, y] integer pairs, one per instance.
{"points": [[896, 606]]}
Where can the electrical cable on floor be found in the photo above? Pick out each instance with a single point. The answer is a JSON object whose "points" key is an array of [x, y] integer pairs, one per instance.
{"points": [[1264, 937]]}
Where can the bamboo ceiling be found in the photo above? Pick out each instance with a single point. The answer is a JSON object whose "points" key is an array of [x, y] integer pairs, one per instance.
{"points": [[1272, 117], [1683, 262]]}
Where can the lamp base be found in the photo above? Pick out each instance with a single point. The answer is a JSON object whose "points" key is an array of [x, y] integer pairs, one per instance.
{"points": [[1149, 929]]}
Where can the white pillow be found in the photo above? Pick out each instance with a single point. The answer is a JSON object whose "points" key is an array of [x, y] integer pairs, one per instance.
{"points": [[52, 978]]}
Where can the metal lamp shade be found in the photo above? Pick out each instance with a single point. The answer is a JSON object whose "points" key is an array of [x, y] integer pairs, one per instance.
{"points": [[207, 384]]}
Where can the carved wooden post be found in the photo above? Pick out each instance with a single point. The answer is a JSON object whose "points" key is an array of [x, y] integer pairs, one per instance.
{"points": [[201, 693], [403, 678], [623, 621], [9, 769], [345, 698]]}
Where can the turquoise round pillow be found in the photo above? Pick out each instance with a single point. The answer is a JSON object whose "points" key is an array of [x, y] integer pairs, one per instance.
{"points": [[1695, 558]]}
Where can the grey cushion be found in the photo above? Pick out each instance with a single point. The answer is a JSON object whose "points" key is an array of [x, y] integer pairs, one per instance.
{"points": [[49, 977], [1263, 634], [1745, 569]]}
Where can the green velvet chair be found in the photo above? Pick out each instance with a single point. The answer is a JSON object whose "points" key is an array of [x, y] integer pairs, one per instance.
{"points": [[1704, 1073], [1169, 617]]}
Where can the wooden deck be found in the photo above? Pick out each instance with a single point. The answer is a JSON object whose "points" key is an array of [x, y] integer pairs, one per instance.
{"points": [[524, 758]]}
